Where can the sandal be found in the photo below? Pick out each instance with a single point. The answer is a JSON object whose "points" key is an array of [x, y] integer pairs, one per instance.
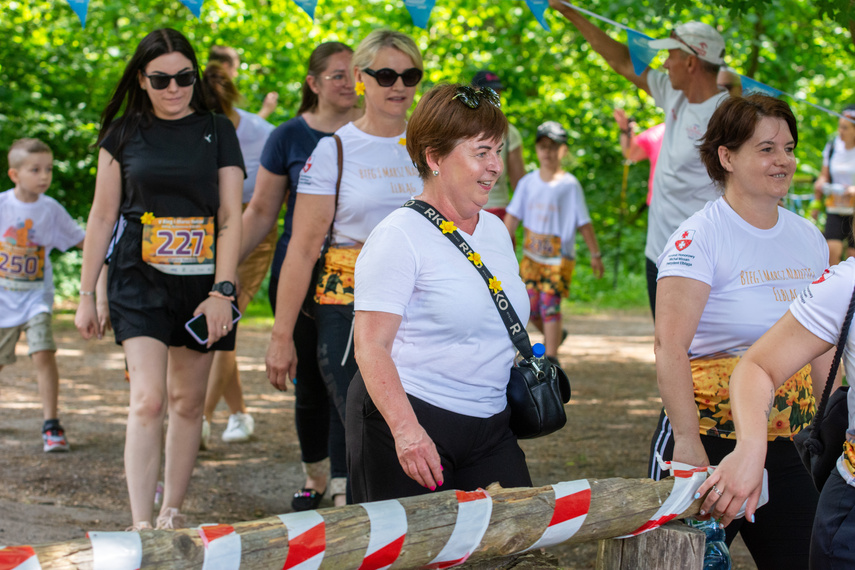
{"points": [[306, 500]]}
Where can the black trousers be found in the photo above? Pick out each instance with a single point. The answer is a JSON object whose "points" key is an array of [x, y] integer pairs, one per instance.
{"points": [[779, 537], [474, 451], [833, 543]]}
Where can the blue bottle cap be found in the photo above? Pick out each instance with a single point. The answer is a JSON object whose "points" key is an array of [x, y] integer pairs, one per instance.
{"points": [[539, 350]]}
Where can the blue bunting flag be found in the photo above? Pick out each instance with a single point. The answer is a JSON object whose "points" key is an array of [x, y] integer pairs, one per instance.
{"points": [[194, 6], [640, 51], [749, 85], [538, 7], [80, 7], [420, 11], [308, 6]]}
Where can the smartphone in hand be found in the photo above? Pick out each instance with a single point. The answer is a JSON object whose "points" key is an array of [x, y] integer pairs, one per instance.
{"points": [[198, 325]]}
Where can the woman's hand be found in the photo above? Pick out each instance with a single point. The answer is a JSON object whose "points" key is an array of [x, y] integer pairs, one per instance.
{"points": [[691, 451], [739, 478], [103, 310], [281, 361], [86, 318], [218, 316], [418, 456]]}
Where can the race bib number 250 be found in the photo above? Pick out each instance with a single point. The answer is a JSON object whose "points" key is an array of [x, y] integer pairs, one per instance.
{"points": [[179, 246], [21, 268]]}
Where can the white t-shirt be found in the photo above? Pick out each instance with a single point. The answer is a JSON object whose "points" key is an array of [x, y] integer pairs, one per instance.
{"points": [[821, 308], [500, 194], [452, 349], [252, 133], [550, 209], [30, 230], [681, 185], [754, 274], [842, 170], [378, 176]]}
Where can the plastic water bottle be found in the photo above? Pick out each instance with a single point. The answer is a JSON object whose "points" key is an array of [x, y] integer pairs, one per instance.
{"points": [[716, 554], [538, 360]]}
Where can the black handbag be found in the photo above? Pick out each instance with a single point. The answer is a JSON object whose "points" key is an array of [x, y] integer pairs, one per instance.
{"points": [[308, 307], [821, 443], [537, 388]]}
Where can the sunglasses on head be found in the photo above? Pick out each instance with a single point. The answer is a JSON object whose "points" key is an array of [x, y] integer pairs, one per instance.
{"points": [[387, 77], [161, 81], [472, 97]]}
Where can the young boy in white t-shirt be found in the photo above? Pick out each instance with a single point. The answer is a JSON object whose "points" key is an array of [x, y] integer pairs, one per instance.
{"points": [[551, 205], [31, 225]]}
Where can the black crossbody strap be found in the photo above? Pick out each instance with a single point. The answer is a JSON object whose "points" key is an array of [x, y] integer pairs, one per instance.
{"points": [[516, 329], [835, 364]]}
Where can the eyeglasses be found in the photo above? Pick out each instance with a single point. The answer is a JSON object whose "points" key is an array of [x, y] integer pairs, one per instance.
{"points": [[337, 77], [161, 81], [387, 77], [472, 97], [682, 41]]}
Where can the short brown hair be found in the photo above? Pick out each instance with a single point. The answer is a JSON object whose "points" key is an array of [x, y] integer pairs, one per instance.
{"points": [[22, 147], [441, 122], [734, 122]]}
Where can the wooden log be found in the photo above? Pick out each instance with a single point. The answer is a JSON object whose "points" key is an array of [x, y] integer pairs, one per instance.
{"points": [[673, 545], [419, 533]]}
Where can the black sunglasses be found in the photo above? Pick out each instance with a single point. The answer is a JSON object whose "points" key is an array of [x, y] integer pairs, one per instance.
{"points": [[387, 77], [160, 81], [472, 97]]}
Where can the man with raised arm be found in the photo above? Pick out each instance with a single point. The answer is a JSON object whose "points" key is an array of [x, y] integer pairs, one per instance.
{"points": [[688, 94]]}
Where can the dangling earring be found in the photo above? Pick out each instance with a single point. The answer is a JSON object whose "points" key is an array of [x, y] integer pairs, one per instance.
{"points": [[359, 88], [436, 172]]}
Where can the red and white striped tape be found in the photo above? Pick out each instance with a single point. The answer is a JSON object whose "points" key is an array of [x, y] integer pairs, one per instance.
{"points": [[222, 547], [388, 529], [306, 540], [473, 517], [687, 479], [115, 550], [572, 503], [18, 558]]}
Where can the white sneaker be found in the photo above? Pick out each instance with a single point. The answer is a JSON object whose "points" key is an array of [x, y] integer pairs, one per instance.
{"points": [[240, 428], [205, 442]]}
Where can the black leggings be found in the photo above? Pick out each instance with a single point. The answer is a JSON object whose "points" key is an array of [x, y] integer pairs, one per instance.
{"points": [[474, 451], [780, 536]]}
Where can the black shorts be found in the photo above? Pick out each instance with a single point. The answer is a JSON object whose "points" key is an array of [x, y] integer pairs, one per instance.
{"points": [[148, 302], [839, 227]]}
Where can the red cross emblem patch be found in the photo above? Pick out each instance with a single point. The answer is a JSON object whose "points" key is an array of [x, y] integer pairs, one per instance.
{"points": [[684, 240]]}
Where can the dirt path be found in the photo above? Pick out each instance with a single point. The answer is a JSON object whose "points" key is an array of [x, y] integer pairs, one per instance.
{"points": [[46, 498]]}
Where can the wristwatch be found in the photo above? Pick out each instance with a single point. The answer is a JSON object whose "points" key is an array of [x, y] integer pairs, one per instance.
{"points": [[225, 288]]}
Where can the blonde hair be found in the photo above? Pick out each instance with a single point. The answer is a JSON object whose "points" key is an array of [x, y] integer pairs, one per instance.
{"points": [[22, 148], [377, 40]]}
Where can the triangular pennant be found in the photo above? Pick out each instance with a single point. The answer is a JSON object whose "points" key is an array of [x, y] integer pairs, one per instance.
{"points": [[538, 7], [749, 85], [308, 6], [80, 7], [640, 51], [420, 11], [195, 6]]}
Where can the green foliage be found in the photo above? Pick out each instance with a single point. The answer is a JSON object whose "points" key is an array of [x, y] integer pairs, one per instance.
{"points": [[56, 77]]}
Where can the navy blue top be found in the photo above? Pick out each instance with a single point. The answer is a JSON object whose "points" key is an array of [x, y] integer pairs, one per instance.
{"points": [[285, 154]]}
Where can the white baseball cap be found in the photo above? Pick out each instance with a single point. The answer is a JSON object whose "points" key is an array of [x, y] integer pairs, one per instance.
{"points": [[697, 39]]}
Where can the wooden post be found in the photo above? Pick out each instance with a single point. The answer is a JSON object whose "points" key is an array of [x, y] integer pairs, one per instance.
{"points": [[673, 545], [436, 530]]}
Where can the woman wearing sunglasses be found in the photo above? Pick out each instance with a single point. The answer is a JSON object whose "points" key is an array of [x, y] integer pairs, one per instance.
{"points": [[328, 104], [433, 352], [173, 170], [377, 176]]}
